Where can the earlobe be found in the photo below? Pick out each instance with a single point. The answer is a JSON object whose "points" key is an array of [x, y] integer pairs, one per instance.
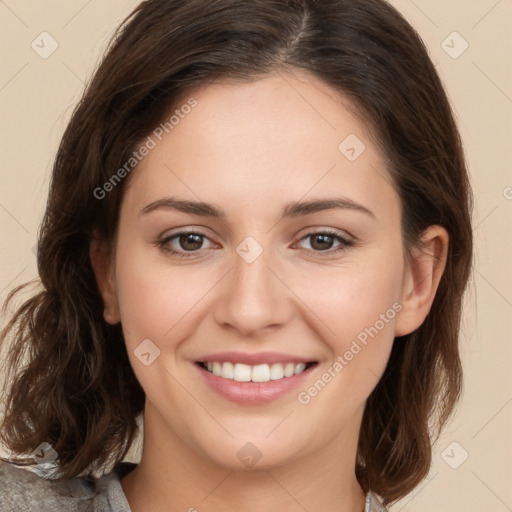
{"points": [[421, 279], [103, 271]]}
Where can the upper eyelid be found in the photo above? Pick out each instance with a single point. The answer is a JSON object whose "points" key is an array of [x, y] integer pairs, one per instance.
{"points": [[307, 230]]}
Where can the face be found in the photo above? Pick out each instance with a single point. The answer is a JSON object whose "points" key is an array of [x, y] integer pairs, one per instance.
{"points": [[255, 286]]}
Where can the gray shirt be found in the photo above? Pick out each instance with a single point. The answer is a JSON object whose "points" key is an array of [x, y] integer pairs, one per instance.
{"points": [[25, 491]]}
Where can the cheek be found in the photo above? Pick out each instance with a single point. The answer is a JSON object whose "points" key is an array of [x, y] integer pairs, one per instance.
{"points": [[358, 306], [155, 299], [354, 296], [360, 338], [157, 303]]}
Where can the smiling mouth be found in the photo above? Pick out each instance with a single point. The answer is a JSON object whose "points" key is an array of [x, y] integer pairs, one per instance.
{"points": [[258, 373]]}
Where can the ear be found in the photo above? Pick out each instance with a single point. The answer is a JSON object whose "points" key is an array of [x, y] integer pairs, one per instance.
{"points": [[103, 269], [421, 279]]}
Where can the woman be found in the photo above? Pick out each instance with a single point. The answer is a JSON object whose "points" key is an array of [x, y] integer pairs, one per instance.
{"points": [[258, 237]]}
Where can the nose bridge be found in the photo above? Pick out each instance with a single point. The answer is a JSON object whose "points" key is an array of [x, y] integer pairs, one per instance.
{"points": [[253, 297]]}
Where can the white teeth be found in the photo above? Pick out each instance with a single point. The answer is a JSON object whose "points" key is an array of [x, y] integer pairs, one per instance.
{"points": [[288, 369], [241, 373], [276, 371], [259, 373], [228, 370], [217, 369], [299, 368]]}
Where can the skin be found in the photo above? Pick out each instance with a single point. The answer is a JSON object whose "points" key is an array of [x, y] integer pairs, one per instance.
{"points": [[250, 149]]}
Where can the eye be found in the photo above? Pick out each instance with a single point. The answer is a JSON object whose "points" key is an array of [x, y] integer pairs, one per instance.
{"points": [[321, 241], [186, 244], [189, 241]]}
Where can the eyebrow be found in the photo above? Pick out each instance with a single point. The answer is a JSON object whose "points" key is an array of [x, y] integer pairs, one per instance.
{"points": [[294, 209]]}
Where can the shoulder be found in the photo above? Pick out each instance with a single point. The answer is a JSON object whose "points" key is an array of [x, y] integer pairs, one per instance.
{"points": [[22, 490]]}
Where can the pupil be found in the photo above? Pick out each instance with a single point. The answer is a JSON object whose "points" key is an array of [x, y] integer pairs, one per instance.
{"points": [[185, 239], [325, 239]]}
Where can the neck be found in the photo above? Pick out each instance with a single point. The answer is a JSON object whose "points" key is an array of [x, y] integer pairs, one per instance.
{"points": [[173, 477]]}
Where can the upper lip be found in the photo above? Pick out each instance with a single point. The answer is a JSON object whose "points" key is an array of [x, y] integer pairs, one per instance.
{"points": [[254, 359]]}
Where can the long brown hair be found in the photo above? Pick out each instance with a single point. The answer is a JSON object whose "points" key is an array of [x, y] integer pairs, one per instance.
{"points": [[77, 390]]}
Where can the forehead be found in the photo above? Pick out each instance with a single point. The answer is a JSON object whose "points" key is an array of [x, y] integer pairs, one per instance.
{"points": [[277, 138]]}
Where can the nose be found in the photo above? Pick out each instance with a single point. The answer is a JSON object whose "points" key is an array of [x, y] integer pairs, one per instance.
{"points": [[253, 297]]}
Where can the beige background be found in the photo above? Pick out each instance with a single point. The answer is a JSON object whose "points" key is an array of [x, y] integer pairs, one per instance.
{"points": [[36, 99]]}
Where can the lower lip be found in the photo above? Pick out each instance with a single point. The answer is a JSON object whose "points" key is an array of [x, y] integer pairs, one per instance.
{"points": [[253, 392]]}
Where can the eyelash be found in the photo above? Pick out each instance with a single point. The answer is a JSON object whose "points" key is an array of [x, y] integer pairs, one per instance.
{"points": [[163, 244]]}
